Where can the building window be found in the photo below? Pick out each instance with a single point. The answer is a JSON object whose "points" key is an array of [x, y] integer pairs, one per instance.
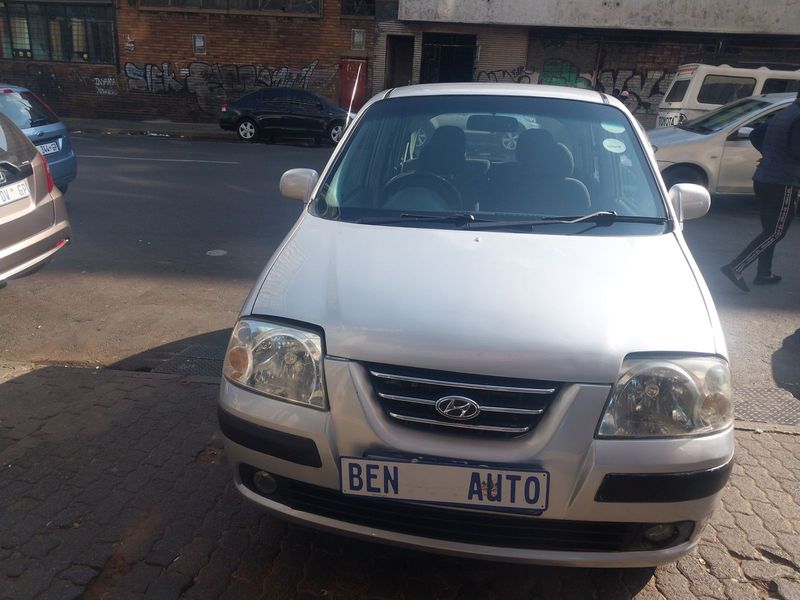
{"points": [[283, 7], [358, 8], [57, 32]]}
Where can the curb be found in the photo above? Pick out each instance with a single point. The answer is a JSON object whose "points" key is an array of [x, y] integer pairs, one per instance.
{"points": [[155, 132]]}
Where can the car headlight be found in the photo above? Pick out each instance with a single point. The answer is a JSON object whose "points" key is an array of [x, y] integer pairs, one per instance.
{"points": [[669, 398], [278, 361]]}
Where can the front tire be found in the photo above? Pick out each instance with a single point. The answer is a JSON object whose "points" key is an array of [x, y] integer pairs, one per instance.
{"points": [[247, 130], [335, 132]]}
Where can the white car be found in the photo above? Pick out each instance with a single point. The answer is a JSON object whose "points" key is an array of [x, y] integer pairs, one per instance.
{"points": [[714, 150], [505, 359]]}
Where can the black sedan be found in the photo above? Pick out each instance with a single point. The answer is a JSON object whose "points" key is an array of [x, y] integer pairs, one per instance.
{"points": [[283, 112]]}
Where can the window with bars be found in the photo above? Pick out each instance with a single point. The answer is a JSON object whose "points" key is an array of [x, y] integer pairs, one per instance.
{"points": [[296, 7], [57, 32]]}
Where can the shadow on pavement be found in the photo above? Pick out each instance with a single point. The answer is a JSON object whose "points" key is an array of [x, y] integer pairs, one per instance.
{"points": [[784, 365], [115, 484], [200, 355]]}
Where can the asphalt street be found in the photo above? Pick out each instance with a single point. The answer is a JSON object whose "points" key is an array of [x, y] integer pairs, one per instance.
{"points": [[169, 235]]}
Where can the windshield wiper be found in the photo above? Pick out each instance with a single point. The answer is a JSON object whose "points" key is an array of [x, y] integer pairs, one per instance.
{"points": [[601, 217], [454, 218]]}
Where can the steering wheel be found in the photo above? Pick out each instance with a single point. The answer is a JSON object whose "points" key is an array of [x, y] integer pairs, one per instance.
{"points": [[445, 195]]}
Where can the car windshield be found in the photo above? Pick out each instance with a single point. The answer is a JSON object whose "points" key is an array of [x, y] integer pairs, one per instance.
{"points": [[475, 161], [719, 119]]}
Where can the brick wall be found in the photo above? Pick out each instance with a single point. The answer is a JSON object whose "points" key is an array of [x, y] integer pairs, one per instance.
{"points": [[160, 77]]}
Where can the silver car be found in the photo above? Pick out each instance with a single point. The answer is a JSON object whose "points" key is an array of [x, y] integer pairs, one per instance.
{"points": [[33, 217], [714, 150], [514, 360]]}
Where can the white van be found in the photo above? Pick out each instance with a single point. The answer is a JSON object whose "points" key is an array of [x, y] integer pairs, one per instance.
{"points": [[699, 88]]}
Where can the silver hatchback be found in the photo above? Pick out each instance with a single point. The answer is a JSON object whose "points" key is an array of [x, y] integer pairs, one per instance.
{"points": [[33, 217], [510, 357]]}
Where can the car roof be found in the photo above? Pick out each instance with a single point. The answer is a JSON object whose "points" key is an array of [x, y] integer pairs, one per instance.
{"points": [[777, 98], [13, 88], [498, 89]]}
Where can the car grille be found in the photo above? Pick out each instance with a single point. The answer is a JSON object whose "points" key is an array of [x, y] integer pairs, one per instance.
{"points": [[505, 407], [469, 527]]}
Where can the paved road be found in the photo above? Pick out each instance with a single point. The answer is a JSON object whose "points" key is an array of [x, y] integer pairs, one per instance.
{"points": [[114, 485], [138, 285], [145, 212]]}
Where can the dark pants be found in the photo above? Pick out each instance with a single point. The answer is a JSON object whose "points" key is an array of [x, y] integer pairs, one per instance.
{"points": [[778, 205]]}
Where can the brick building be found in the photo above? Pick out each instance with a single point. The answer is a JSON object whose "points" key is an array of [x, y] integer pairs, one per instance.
{"points": [[180, 59], [623, 44]]}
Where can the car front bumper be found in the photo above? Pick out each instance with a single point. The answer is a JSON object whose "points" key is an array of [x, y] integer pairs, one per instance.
{"points": [[595, 484]]}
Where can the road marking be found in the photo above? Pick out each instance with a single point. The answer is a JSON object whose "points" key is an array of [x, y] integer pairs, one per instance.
{"points": [[179, 160]]}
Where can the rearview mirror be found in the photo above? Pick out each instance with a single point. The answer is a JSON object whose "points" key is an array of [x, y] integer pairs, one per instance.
{"points": [[492, 123], [743, 133], [690, 201], [298, 183]]}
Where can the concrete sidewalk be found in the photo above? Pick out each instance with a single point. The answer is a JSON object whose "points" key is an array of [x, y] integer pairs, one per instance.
{"points": [[114, 485], [198, 131]]}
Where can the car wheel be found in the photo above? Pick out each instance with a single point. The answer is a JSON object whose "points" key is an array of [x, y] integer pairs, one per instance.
{"points": [[335, 132], [683, 174], [509, 140], [246, 130]]}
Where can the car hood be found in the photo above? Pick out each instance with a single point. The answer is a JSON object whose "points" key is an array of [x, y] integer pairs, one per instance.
{"points": [[671, 136], [552, 307]]}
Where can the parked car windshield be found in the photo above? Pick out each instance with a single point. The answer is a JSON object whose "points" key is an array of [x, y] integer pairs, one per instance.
{"points": [[719, 119], [25, 110], [490, 158]]}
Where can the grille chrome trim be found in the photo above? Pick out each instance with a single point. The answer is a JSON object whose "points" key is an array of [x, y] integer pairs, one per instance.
{"points": [[495, 409], [470, 386], [408, 399], [455, 425]]}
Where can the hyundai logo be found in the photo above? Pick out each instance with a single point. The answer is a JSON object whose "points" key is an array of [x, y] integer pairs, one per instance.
{"points": [[458, 408]]}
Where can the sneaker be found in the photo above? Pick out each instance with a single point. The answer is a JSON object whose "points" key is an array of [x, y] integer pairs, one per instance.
{"points": [[769, 279], [735, 278]]}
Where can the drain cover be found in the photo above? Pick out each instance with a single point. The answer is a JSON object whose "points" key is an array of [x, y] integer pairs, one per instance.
{"points": [[767, 405]]}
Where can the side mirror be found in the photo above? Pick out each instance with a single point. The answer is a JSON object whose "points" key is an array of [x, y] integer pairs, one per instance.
{"points": [[743, 133], [298, 183], [690, 201]]}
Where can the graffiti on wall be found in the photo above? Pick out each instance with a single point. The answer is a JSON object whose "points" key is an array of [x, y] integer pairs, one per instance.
{"points": [[517, 75], [212, 84], [52, 83], [562, 72], [645, 89]]}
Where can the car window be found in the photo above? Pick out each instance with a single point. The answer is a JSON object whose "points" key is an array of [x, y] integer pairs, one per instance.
{"points": [[719, 119], [763, 118], [721, 89], [780, 86], [15, 147], [495, 157], [678, 90], [25, 109]]}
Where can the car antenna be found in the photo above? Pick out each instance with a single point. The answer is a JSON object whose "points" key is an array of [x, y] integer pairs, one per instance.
{"points": [[353, 96]]}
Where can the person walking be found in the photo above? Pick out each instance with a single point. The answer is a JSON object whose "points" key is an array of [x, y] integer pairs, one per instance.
{"points": [[776, 183]]}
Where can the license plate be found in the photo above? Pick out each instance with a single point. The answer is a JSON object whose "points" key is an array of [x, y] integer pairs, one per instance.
{"points": [[15, 191], [668, 119], [49, 148], [457, 485]]}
